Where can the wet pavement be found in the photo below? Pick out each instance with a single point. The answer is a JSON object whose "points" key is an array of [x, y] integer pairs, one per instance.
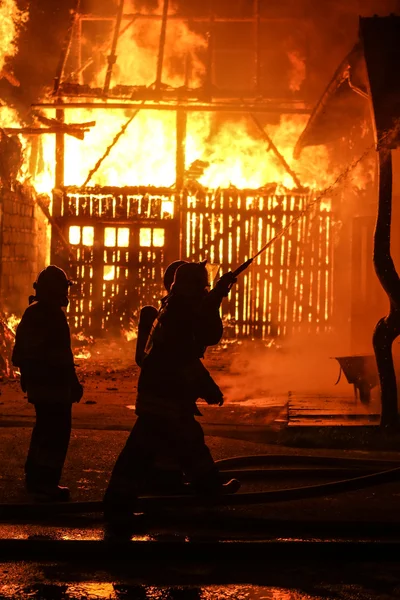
{"points": [[50, 581], [262, 571]]}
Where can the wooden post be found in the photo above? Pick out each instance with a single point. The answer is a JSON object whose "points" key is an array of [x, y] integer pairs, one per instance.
{"points": [[181, 123], [387, 328], [257, 46], [60, 150], [161, 48], [210, 57], [66, 49], [79, 49], [113, 57]]}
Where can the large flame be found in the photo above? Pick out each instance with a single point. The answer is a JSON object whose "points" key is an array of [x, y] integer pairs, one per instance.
{"points": [[231, 148], [11, 20]]}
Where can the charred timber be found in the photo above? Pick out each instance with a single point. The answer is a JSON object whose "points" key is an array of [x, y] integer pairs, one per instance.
{"points": [[78, 133], [141, 92], [111, 59], [142, 190], [277, 108], [387, 328], [180, 17], [161, 48], [66, 48]]}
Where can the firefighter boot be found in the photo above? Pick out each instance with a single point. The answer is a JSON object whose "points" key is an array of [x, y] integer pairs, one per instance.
{"points": [[48, 493]]}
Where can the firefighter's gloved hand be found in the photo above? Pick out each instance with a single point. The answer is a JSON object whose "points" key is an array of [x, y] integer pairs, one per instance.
{"points": [[211, 392], [76, 391], [225, 283], [23, 383]]}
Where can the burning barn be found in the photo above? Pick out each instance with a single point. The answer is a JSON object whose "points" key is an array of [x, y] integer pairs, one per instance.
{"points": [[169, 133]]}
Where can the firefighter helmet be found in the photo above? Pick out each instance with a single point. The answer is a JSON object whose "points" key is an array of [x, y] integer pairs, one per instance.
{"points": [[170, 271], [191, 277], [52, 281]]}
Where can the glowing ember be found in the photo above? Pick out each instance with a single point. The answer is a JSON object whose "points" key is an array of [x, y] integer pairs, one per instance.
{"points": [[83, 353], [131, 333]]}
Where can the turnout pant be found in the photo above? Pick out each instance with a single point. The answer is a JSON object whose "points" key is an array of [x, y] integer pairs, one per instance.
{"points": [[49, 444], [182, 438]]}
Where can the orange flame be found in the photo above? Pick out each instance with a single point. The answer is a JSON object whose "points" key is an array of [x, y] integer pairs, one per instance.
{"points": [[11, 21]]}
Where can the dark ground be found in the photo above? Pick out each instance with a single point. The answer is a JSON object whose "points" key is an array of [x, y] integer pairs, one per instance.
{"points": [[248, 427]]}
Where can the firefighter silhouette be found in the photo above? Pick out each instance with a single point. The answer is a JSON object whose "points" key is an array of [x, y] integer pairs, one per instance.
{"points": [[43, 354], [171, 380]]}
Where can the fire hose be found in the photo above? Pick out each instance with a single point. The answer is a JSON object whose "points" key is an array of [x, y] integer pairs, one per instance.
{"points": [[154, 504]]}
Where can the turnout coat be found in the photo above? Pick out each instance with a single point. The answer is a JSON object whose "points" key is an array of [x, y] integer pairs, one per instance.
{"points": [[173, 376]]}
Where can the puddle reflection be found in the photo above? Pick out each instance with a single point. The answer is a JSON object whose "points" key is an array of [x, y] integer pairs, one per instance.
{"points": [[110, 591]]}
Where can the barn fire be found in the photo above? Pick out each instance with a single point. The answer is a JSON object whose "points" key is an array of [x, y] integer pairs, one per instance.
{"points": [[152, 147], [175, 132]]}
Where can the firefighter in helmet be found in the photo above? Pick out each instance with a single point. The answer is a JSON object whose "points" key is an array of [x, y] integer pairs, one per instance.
{"points": [[172, 379], [43, 354]]}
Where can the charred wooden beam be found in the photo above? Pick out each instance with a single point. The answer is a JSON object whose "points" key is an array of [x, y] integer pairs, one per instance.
{"points": [[111, 59], [64, 126], [176, 17], [161, 47], [77, 133], [208, 85], [60, 149], [53, 222], [280, 157], [81, 69], [132, 93], [238, 108], [181, 122], [66, 49], [110, 147], [257, 45]]}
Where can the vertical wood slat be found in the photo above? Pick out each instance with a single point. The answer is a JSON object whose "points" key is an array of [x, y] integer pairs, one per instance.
{"points": [[270, 299], [266, 301]]}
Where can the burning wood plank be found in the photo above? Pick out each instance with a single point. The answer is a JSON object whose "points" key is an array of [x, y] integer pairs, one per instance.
{"points": [[8, 326]]}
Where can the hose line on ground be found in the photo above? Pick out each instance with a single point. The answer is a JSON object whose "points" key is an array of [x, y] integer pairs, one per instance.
{"points": [[159, 503]]}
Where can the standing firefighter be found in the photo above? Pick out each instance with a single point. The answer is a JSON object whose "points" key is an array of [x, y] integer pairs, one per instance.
{"points": [[43, 354], [172, 378]]}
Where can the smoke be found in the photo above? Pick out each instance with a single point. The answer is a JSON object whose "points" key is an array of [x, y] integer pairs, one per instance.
{"points": [[37, 55], [303, 364]]}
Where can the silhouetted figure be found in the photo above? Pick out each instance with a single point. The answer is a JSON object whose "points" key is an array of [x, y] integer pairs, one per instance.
{"points": [[172, 379], [43, 354]]}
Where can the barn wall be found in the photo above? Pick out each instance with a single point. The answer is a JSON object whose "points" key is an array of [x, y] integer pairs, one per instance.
{"points": [[18, 267]]}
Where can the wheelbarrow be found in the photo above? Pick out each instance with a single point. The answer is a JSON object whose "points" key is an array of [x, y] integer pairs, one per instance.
{"points": [[361, 371]]}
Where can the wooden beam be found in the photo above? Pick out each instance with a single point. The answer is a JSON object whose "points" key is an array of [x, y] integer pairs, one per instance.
{"points": [[279, 156], [175, 17], [65, 50], [111, 59], [161, 47], [78, 133], [237, 108], [60, 149]]}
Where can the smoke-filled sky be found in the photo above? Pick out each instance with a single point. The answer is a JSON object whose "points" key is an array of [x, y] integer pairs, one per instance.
{"points": [[330, 31]]}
